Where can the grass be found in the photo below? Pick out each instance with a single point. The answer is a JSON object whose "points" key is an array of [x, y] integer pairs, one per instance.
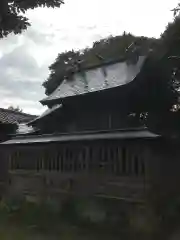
{"points": [[65, 233], [32, 221], [24, 220]]}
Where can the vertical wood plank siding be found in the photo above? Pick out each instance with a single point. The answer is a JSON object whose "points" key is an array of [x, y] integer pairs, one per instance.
{"points": [[108, 158]]}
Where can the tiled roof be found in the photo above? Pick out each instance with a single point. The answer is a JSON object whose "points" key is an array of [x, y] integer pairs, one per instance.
{"points": [[97, 79], [14, 117]]}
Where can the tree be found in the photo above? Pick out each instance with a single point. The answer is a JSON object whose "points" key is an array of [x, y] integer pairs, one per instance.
{"points": [[12, 19], [107, 49], [160, 88], [176, 10], [16, 109], [60, 68]]}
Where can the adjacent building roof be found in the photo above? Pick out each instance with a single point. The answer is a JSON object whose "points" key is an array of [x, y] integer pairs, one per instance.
{"points": [[87, 136], [13, 117], [97, 79]]}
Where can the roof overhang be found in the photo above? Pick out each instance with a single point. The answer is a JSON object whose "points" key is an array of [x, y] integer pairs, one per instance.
{"points": [[86, 136], [48, 112]]}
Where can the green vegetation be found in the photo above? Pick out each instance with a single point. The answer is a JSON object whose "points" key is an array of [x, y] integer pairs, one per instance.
{"points": [[76, 219], [12, 19], [88, 218]]}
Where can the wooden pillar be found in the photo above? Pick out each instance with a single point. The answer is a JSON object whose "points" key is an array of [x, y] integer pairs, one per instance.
{"points": [[120, 160], [74, 156], [133, 165], [62, 160], [42, 159], [84, 159], [108, 158], [51, 160], [102, 157], [90, 153], [71, 153], [57, 161], [113, 156], [116, 160], [37, 167], [10, 166], [54, 162], [110, 121], [80, 160], [123, 156], [129, 160], [87, 158], [142, 166], [66, 159], [96, 158], [17, 160]]}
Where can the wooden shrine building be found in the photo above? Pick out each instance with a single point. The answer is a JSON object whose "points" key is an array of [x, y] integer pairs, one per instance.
{"points": [[89, 144]]}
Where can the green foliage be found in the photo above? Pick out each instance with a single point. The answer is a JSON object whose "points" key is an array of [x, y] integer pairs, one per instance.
{"points": [[123, 220], [12, 19], [161, 85]]}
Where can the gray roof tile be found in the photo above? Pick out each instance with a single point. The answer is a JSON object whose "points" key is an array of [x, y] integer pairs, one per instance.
{"points": [[92, 80], [13, 117]]}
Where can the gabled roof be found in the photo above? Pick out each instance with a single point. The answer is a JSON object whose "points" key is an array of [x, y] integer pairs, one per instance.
{"points": [[139, 133], [97, 79], [13, 117]]}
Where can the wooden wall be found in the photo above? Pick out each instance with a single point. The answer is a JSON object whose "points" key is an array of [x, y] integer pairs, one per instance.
{"points": [[102, 168], [78, 119], [131, 170], [111, 158]]}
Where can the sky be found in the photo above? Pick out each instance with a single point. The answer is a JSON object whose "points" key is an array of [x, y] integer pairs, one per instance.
{"points": [[24, 58]]}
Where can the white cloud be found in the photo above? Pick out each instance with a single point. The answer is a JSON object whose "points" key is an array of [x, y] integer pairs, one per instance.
{"points": [[24, 59]]}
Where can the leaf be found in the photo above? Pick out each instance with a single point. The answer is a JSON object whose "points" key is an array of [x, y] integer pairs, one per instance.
{"points": [[10, 12]]}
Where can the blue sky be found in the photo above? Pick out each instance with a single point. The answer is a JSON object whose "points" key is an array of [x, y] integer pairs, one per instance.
{"points": [[24, 59]]}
